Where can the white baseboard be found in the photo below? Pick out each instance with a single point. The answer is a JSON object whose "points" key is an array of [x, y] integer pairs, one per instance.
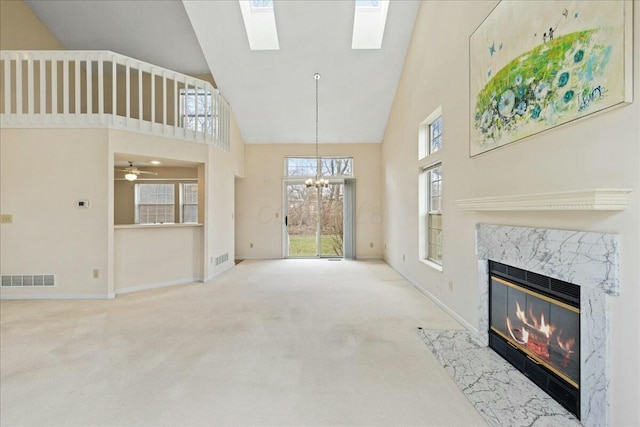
{"points": [[55, 296], [440, 304], [157, 285], [369, 258], [229, 266]]}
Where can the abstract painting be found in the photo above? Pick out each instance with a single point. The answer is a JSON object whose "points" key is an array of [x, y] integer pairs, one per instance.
{"points": [[535, 65]]}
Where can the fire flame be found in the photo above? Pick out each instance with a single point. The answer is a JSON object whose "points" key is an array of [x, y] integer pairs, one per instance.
{"points": [[541, 326], [537, 335], [566, 345]]}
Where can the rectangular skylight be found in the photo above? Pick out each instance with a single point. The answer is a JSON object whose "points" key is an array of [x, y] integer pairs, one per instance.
{"points": [[260, 24], [368, 23]]}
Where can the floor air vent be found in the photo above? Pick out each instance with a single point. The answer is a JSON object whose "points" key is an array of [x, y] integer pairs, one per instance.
{"points": [[222, 258], [28, 280]]}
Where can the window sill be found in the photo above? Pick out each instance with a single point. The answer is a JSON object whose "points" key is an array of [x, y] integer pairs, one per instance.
{"points": [[432, 264], [156, 225]]}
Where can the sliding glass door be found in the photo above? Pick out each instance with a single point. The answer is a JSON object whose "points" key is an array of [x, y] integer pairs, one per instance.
{"points": [[314, 220]]}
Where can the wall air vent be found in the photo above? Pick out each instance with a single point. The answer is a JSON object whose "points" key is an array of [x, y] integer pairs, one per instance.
{"points": [[30, 280], [222, 258]]}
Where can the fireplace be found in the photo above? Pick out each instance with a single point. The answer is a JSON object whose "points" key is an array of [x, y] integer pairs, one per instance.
{"points": [[587, 260], [534, 323]]}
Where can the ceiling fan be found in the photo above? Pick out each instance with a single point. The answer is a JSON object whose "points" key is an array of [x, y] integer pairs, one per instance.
{"points": [[131, 172]]}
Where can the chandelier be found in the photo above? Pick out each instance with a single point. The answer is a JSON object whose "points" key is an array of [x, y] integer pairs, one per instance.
{"points": [[318, 182]]}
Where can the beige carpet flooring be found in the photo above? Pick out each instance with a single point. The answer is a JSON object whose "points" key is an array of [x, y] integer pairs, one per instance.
{"points": [[283, 342]]}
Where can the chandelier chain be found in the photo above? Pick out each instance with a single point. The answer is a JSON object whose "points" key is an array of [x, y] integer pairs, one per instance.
{"points": [[319, 182]]}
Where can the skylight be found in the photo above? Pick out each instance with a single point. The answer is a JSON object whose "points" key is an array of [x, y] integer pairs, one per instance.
{"points": [[368, 24], [260, 24]]}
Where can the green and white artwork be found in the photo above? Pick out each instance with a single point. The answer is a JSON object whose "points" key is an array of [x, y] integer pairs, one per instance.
{"points": [[535, 65]]}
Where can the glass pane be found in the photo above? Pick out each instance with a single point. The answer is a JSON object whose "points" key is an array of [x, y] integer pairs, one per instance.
{"points": [[337, 167], [302, 220], [435, 135], [190, 213], [197, 110], [331, 224], [435, 237], [155, 203], [190, 194], [301, 166], [189, 202]]}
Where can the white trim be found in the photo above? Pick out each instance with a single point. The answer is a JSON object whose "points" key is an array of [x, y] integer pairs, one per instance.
{"points": [[167, 225], [611, 199], [158, 285], [432, 264], [229, 266], [439, 303], [55, 296]]}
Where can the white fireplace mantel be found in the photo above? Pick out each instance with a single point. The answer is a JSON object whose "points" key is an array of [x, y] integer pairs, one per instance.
{"points": [[589, 260], [610, 199]]}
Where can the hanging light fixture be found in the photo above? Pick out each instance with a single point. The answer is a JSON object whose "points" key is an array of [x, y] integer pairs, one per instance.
{"points": [[319, 182], [130, 176]]}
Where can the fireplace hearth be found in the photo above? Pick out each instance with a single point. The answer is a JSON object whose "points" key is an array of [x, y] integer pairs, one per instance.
{"points": [[586, 259], [534, 323]]}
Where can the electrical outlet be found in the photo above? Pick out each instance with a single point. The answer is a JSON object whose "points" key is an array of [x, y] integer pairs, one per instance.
{"points": [[451, 285], [6, 219], [277, 215], [251, 245], [370, 244], [96, 273], [403, 258]]}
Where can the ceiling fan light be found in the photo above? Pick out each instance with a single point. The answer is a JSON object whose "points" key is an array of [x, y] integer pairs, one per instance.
{"points": [[130, 176]]}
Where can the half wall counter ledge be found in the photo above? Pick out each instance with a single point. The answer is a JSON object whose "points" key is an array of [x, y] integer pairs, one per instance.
{"points": [[165, 225], [606, 199]]}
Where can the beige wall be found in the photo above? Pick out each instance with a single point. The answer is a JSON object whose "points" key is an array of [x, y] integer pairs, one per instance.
{"points": [[43, 173], [598, 152], [151, 256], [260, 197], [21, 29]]}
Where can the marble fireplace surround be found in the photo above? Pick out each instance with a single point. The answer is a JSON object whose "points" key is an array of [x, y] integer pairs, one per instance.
{"points": [[589, 260]]}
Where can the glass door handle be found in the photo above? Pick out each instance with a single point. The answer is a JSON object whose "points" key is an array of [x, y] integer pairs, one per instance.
{"points": [[286, 220]]}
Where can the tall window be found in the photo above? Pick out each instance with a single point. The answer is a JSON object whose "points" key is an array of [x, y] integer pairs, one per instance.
{"points": [[430, 144], [434, 213], [197, 110], [162, 203]]}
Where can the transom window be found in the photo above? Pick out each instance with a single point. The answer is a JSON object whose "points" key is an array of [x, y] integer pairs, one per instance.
{"points": [[435, 135], [328, 166]]}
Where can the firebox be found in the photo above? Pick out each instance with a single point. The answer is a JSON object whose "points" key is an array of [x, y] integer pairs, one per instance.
{"points": [[534, 323]]}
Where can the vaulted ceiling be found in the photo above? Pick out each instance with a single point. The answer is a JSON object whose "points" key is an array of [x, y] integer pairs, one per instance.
{"points": [[272, 93]]}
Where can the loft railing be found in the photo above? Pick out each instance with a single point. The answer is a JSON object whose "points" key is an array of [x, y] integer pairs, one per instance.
{"points": [[103, 88]]}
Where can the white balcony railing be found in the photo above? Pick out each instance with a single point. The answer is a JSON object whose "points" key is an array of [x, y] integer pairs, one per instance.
{"points": [[102, 88]]}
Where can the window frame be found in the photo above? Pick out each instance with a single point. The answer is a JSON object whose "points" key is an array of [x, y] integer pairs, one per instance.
{"points": [[318, 167], [178, 200], [431, 213], [428, 161]]}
